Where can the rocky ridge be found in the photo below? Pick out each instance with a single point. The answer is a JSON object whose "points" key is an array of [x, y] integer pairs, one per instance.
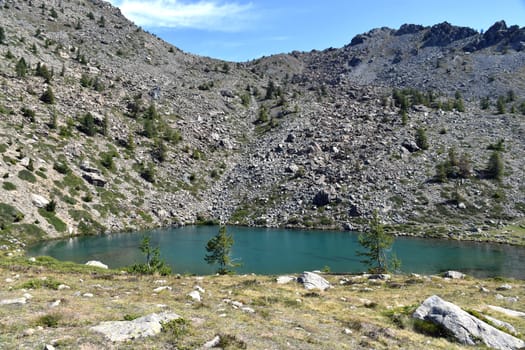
{"points": [[141, 134]]}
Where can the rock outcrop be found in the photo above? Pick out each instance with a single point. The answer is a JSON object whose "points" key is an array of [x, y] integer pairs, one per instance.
{"points": [[464, 327], [145, 326]]}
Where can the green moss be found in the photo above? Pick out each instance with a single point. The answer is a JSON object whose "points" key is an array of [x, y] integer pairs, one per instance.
{"points": [[26, 175], [3, 147], [37, 283]]}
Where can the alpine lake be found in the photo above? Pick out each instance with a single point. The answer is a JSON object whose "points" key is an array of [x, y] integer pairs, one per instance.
{"points": [[281, 251]]}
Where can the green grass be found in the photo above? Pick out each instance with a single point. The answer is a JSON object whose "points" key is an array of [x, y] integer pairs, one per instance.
{"points": [[37, 283], [26, 175], [8, 186], [58, 224], [9, 214]]}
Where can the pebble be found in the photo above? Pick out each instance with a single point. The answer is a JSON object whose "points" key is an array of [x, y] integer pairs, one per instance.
{"points": [[87, 295]]}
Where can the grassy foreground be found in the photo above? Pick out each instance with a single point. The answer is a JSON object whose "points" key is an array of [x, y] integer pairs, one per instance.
{"points": [[356, 313]]}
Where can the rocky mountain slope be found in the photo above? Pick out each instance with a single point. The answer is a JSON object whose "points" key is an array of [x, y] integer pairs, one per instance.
{"points": [[105, 127]]}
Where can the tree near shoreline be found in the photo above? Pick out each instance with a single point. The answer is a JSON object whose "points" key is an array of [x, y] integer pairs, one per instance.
{"points": [[219, 249], [376, 244]]}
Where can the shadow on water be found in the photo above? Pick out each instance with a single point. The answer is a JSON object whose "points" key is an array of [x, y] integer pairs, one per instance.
{"points": [[277, 251]]}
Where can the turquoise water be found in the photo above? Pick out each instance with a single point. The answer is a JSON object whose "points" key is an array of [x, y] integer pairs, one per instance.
{"points": [[278, 251]]}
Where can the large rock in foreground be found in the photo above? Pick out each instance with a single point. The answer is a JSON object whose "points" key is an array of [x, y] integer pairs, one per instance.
{"points": [[466, 328], [145, 326], [312, 280]]}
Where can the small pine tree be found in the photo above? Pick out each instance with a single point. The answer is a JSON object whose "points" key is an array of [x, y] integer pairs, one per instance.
{"points": [[2, 35], [500, 105], [48, 96], [105, 126], [421, 139], [376, 243], [484, 103], [21, 68], [270, 90], [441, 172], [219, 249], [404, 117], [87, 124], [53, 122], [495, 166]]}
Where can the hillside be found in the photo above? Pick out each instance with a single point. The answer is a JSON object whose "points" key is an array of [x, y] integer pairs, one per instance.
{"points": [[105, 127]]}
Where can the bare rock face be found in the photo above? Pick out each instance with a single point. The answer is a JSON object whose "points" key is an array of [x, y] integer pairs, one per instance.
{"points": [[464, 327], [312, 280], [145, 326]]}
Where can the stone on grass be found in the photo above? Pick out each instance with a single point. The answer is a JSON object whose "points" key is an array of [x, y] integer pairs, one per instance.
{"points": [[14, 301], [464, 327], [141, 327], [505, 286], [212, 343], [195, 295], [508, 312], [456, 275], [285, 279], [39, 201], [501, 324], [160, 289], [312, 280], [96, 263]]}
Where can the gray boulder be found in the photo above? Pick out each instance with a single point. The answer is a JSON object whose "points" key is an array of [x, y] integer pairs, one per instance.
{"points": [[94, 179], [466, 328], [454, 275], [145, 326], [312, 280]]}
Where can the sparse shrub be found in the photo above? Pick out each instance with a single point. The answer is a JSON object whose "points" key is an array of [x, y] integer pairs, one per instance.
{"points": [[61, 167], [498, 146], [51, 206], [49, 320], [106, 159], [500, 105], [495, 166], [2, 35], [28, 113], [484, 103], [176, 328], [227, 341], [42, 71], [147, 172], [21, 68], [421, 139], [87, 124], [48, 96]]}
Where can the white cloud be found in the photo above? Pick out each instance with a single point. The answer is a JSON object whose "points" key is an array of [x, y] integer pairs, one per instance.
{"points": [[211, 15]]}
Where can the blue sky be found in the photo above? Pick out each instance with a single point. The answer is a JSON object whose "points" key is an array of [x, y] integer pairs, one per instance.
{"points": [[241, 30]]}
